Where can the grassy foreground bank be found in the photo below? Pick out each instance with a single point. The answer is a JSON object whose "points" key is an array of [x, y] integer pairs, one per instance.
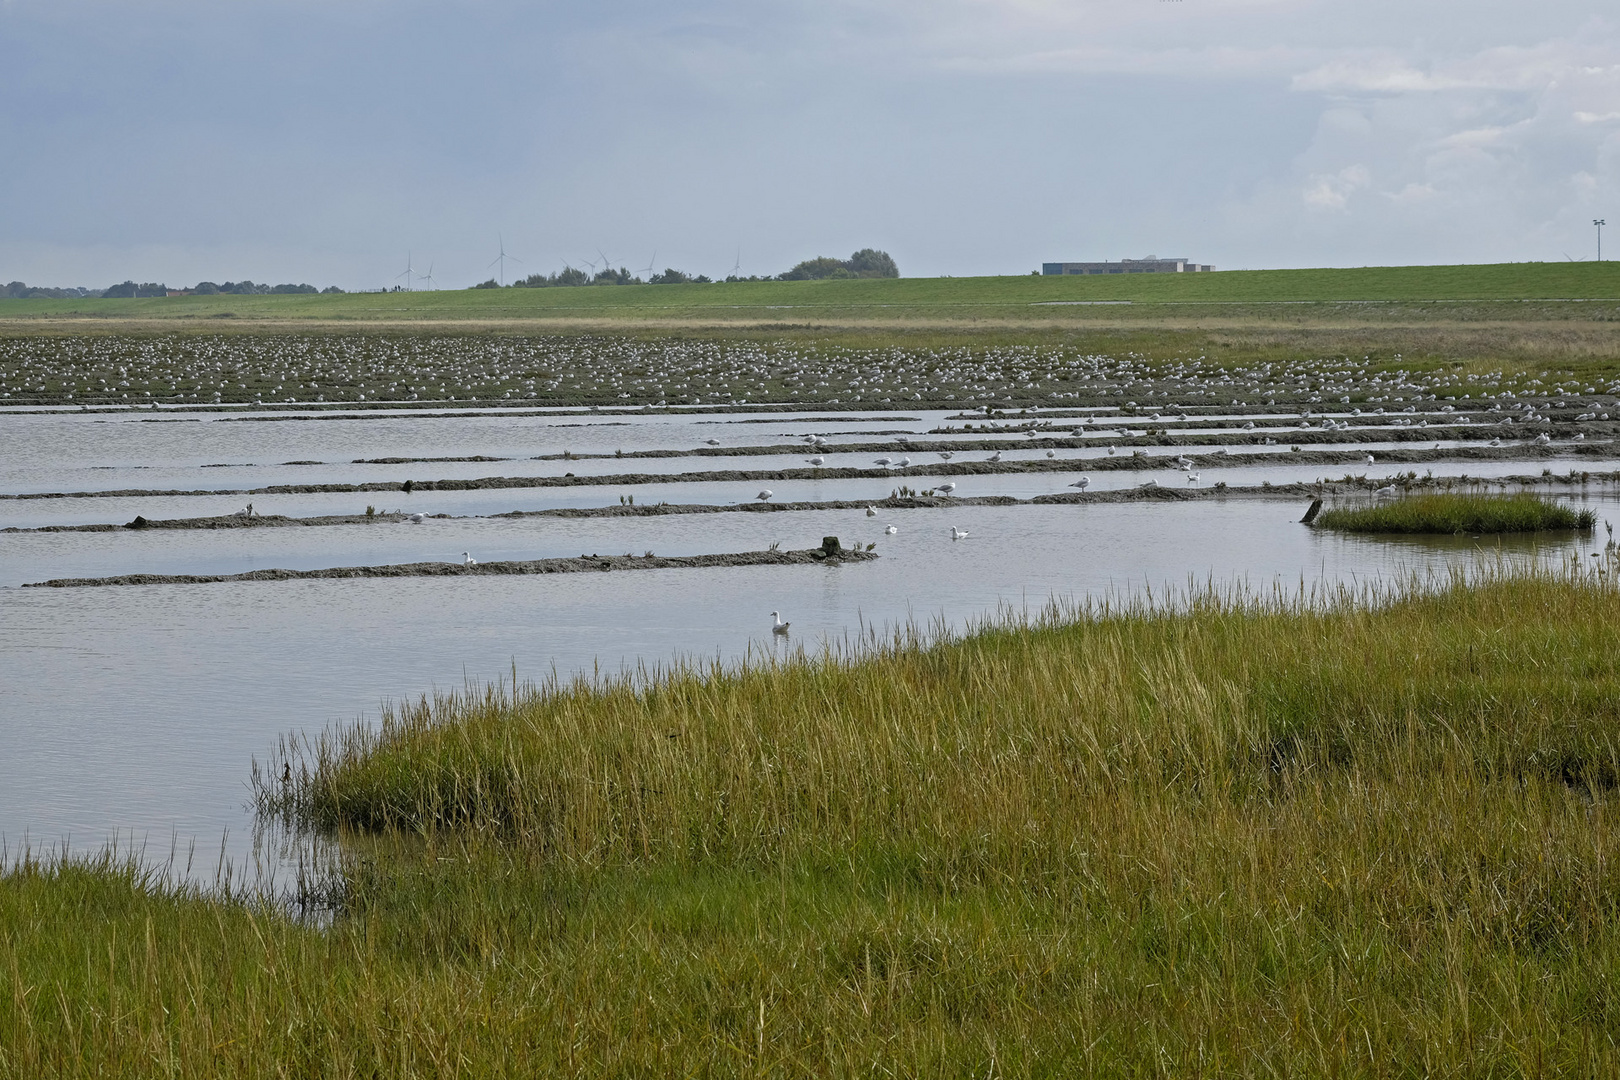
{"points": [[1373, 837]]}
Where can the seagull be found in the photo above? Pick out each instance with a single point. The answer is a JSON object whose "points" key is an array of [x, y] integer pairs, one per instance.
{"points": [[946, 489], [958, 534], [1387, 492], [1051, 453], [467, 559], [817, 461], [995, 456], [1082, 483], [712, 442], [417, 519], [1370, 459], [885, 462], [764, 495], [891, 530], [1192, 478], [946, 455], [780, 627], [902, 463], [1150, 483], [871, 511]]}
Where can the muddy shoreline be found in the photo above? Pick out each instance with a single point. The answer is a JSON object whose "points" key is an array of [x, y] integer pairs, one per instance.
{"points": [[1354, 460], [581, 564], [1152, 491]]}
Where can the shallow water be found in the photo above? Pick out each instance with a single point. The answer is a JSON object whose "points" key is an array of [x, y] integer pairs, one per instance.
{"points": [[140, 708]]}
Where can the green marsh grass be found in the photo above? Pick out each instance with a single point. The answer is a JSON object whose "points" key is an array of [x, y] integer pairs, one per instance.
{"points": [[1460, 512], [1351, 833]]}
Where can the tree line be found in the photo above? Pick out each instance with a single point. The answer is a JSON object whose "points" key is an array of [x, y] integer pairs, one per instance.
{"points": [[866, 263], [18, 290]]}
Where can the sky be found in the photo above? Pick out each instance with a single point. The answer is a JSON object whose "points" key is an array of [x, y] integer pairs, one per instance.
{"points": [[328, 141]]}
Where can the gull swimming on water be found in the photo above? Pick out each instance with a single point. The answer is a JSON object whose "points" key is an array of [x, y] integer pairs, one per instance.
{"points": [[891, 530], [780, 627], [416, 519], [958, 534], [871, 511]]}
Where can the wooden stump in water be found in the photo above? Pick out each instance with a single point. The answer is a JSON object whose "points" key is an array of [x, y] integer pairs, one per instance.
{"points": [[1310, 515]]}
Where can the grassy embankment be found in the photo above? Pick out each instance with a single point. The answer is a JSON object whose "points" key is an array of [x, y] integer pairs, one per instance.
{"points": [[1458, 513], [1253, 838], [1028, 299], [1492, 326]]}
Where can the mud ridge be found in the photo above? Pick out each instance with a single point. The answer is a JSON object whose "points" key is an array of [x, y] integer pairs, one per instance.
{"points": [[582, 564]]}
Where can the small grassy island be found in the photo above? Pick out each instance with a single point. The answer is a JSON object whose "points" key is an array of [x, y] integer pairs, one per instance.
{"points": [[1354, 833], [1458, 513]]}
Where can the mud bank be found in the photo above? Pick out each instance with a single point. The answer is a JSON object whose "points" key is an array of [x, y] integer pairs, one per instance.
{"points": [[1151, 491], [1351, 459], [582, 564]]}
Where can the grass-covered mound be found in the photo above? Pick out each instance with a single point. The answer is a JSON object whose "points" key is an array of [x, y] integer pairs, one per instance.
{"points": [[1458, 513], [1369, 836]]}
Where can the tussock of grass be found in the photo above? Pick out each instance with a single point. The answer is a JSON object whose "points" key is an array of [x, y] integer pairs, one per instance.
{"points": [[1353, 834], [1458, 513]]}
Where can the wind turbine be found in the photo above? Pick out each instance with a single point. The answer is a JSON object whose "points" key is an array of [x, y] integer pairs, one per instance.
{"points": [[1599, 222], [428, 277], [501, 258], [736, 266], [652, 262], [407, 274], [607, 263]]}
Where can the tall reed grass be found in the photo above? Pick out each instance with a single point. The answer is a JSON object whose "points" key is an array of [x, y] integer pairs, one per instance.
{"points": [[1352, 833], [1459, 513]]}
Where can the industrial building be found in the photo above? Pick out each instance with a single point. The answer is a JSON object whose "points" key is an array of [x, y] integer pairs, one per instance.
{"points": [[1150, 265]]}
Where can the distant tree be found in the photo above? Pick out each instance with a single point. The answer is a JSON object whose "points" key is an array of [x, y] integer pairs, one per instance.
{"points": [[490, 284], [817, 269], [670, 277], [871, 263], [331, 289], [610, 276], [287, 290], [866, 263], [571, 276], [205, 288], [122, 291]]}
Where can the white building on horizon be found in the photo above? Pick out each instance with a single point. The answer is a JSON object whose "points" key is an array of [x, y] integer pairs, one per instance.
{"points": [[1150, 265]]}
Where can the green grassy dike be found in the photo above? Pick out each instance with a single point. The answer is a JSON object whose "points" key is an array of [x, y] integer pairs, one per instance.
{"points": [[1019, 298], [1364, 835]]}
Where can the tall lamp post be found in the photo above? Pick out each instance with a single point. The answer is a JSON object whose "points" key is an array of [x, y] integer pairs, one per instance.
{"points": [[1599, 222]]}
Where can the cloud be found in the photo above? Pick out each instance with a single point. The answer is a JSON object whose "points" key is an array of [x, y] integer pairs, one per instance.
{"points": [[209, 140], [1333, 192]]}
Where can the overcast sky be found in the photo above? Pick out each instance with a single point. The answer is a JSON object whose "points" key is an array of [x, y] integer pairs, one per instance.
{"points": [[323, 140]]}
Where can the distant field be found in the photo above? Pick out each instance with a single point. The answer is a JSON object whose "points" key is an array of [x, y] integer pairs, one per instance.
{"points": [[1028, 299]]}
